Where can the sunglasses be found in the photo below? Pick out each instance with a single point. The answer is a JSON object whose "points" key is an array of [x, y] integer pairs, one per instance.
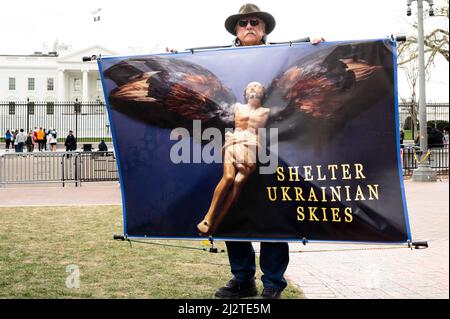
{"points": [[244, 23]]}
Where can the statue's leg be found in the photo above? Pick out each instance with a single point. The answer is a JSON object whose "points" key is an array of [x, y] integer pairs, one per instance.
{"points": [[227, 180], [231, 199]]}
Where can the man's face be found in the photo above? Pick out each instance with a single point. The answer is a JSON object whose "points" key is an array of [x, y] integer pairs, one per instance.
{"points": [[250, 34], [254, 90]]}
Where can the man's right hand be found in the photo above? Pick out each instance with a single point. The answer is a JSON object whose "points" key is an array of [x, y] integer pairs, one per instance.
{"points": [[317, 41], [171, 50]]}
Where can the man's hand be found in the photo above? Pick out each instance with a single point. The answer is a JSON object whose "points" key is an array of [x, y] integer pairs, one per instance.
{"points": [[171, 50], [317, 40]]}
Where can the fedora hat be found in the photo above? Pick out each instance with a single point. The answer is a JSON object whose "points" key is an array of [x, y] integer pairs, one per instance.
{"points": [[250, 10]]}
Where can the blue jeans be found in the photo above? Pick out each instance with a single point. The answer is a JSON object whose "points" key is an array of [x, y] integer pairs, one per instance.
{"points": [[274, 259], [20, 147]]}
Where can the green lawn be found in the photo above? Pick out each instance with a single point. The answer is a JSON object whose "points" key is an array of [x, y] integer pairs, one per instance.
{"points": [[38, 243], [93, 139], [408, 135]]}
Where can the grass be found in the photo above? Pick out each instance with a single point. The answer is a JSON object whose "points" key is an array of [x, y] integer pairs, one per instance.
{"points": [[38, 243], [94, 139], [408, 135]]}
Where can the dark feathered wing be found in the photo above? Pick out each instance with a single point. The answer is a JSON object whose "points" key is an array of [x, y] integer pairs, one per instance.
{"points": [[326, 89], [168, 92], [329, 83]]}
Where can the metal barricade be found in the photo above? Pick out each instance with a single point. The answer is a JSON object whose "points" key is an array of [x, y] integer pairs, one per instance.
{"points": [[97, 167], [57, 167], [437, 159]]}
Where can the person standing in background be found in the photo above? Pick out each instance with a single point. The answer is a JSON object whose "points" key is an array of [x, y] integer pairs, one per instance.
{"points": [[71, 142], [20, 141], [8, 137], [52, 140], [29, 142], [40, 138]]}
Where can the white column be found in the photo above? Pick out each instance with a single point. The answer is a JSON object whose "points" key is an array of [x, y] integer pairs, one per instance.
{"points": [[61, 85], [85, 86]]}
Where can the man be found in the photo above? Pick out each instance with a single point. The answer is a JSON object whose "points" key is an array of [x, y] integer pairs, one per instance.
{"points": [[71, 142], [29, 142], [239, 156], [251, 27], [402, 137], [40, 138], [20, 141], [102, 147]]}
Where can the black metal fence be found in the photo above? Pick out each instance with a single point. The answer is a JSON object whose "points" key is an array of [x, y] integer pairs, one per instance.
{"points": [[57, 167], [88, 120], [437, 159], [437, 116]]}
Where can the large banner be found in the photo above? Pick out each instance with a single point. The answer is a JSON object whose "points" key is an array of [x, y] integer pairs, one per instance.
{"points": [[260, 143]]}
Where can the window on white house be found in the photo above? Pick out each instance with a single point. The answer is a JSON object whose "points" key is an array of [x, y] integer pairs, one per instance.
{"points": [[31, 108], [50, 108], [31, 82], [77, 85], [50, 84], [12, 83], [12, 108]]}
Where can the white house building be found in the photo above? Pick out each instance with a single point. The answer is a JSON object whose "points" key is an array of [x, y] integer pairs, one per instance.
{"points": [[51, 76]]}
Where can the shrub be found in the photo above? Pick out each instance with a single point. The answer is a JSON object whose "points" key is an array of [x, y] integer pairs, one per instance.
{"points": [[439, 124]]}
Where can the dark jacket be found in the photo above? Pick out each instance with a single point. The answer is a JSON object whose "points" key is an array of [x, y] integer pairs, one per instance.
{"points": [[70, 143], [102, 147], [435, 138]]}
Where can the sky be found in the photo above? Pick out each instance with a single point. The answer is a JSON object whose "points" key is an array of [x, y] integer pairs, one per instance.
{"points": [[151, 26]]}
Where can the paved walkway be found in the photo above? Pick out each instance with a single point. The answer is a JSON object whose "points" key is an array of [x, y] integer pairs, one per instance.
{"points": [[391, 273], [387, 273], [105, 193]]}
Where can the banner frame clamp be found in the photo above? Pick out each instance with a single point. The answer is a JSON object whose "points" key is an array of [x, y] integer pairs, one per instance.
{"points": [[92, 58], [122, 237], [398, 38], [212, 249], [417, 244], [420, 244]]}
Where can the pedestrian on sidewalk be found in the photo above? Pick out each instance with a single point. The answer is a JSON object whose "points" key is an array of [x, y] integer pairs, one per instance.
{"points": [[20, 141], [8, 138], [13, 140], [45, 139], [52, 140], [102, 147], [40, 139], [71, 142], [29, 142]]}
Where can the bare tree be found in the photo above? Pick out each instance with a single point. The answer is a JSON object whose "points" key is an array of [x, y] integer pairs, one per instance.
{"points": [[410, 68], [436, 43]]}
